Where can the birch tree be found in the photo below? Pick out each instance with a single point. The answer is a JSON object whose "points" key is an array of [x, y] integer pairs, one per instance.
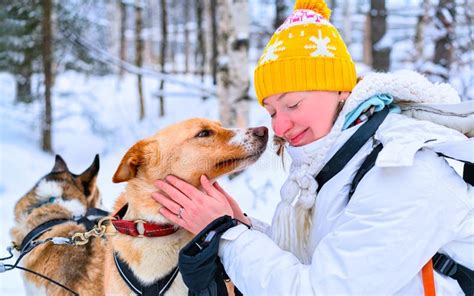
{"points": [[421, 24], [123, 41], [444, 22], [232, 75]]}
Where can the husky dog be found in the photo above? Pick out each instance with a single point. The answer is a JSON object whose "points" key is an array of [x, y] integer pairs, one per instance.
{"points": [[61, 195]]}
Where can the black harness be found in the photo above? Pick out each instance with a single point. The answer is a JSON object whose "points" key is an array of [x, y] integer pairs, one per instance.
{"points": [[88, 220], [441, 263], [159, 287]]}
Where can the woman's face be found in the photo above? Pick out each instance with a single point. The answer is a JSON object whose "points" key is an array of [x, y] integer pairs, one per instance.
{"points": [[303, 117]]}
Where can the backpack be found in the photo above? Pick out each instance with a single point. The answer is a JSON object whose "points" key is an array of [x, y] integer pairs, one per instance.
{"points": [[441, 262]]}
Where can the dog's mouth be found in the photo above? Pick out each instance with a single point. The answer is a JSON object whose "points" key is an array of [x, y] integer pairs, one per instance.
{"points": [[234, 162]]}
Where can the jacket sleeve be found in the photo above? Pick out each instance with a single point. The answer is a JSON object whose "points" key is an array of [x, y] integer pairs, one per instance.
{"points": [[260, 226], [396, 221]]}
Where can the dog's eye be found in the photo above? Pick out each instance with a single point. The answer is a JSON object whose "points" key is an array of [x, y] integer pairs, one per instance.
{"points": [[203, 134]]}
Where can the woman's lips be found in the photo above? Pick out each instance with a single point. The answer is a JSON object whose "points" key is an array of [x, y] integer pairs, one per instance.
{"points": [[296, 139]]}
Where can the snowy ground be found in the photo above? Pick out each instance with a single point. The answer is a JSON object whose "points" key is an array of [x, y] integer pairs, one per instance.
{"points": [[100, 115]]}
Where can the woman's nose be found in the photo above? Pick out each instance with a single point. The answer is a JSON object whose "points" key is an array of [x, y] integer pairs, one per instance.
{"points": [[281, 124]]}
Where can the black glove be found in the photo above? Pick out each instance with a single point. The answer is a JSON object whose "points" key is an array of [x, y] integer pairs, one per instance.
{"points": [[200, 267]]}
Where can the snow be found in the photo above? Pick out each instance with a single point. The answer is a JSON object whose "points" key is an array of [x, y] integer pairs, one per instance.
{"points": [[100, 115]]}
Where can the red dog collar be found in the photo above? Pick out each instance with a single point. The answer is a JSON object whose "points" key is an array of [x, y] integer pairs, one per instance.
{"points": [[141, 228]]}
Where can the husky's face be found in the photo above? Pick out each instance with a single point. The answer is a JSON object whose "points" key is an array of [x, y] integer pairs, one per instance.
{"points": [[59, 194]]}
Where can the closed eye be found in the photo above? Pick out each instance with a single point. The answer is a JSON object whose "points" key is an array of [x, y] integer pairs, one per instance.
{"points": [[294, 106]]}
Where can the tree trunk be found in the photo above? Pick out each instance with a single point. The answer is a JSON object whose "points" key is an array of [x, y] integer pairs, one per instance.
{"points": [[164, 45], [332, 4], [139, 53], [445, 14], [280, 13], [378, 28], [232, 76], [23, 87], [423, 19], [201, 51], [186, 36], [172, 42], [213, 15], [366, 43], [47, 36], [123, 41]]}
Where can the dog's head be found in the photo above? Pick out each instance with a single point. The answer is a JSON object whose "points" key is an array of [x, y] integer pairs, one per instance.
{"points": [[190, 149], [60, 194]]}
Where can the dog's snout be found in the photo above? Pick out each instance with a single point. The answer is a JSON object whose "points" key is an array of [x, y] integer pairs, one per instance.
{"points": [[261, 131]]}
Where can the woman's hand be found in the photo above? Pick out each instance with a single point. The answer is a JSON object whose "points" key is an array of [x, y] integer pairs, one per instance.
{"points": [[238, 214], [191, 208]]}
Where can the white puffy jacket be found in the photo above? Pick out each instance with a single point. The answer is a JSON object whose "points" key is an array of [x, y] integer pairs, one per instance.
{"points": [[411, 205]]}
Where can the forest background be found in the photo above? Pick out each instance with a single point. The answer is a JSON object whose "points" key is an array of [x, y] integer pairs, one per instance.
{"points": [[86, 77]]}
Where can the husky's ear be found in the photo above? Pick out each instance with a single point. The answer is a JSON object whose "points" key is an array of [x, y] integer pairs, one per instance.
{"points": [[59, 165], [130, 163], [88, 178]]}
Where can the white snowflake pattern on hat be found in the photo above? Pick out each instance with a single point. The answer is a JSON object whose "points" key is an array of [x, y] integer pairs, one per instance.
{"points": [[270, 52], [321, 45]]}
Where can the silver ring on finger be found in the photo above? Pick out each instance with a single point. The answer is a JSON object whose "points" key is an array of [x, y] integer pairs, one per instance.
{"points": [[180, 212]]}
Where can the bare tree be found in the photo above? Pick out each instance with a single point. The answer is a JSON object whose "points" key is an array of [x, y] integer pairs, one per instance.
{"points": [[47, 36], [378, 28], [123, 41], [232, 76], [164, 45], [139, 53], [367, 44], [423, 20], [186, 35], [444, 21], [280, 13], [173, 21], [201, 47], [332, 4], [213, 17]]}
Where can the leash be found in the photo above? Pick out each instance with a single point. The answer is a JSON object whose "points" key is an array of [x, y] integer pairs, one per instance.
{"points": [[29, 243], [29, 248]]}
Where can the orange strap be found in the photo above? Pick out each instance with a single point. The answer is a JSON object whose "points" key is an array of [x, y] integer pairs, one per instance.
{"points": [[428, 279]]}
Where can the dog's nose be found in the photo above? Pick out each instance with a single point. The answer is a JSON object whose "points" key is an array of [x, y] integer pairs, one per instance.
{"points": [[261, 132]]}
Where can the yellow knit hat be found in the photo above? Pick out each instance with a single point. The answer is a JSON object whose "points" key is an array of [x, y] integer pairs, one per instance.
{"points": [[305, 53]]}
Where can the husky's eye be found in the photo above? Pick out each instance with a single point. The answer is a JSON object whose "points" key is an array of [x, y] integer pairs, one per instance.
{"points": [[203, 134]]}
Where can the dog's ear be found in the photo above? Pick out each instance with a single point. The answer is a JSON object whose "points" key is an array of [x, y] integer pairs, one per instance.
{"points": [[129, 164], [59, 165], [88, 178]]}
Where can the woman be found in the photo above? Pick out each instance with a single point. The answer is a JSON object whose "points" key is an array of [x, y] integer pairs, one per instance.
{"points": [[411, 205]]}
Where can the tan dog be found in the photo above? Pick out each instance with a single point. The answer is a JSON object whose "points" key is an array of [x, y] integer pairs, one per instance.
{"points": [[187, 150], [61, 195]]}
